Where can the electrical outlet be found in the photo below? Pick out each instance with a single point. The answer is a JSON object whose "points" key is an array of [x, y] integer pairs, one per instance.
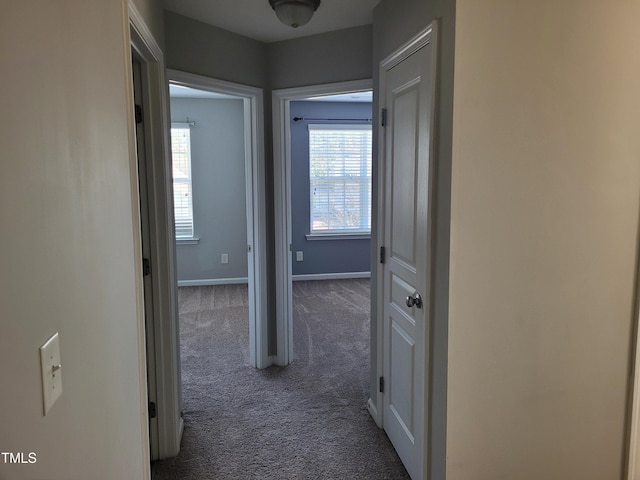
{"points": [[224, 258], [299, 256], [51, 371]]}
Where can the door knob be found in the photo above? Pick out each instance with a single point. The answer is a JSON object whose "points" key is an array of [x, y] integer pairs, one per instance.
{"points": [[416, 300]]}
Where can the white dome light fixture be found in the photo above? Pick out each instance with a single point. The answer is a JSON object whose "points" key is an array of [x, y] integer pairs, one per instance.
{"points": [[294, 12]]}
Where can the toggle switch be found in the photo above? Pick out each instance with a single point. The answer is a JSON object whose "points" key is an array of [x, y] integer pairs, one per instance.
{"points": [[51, 371]]}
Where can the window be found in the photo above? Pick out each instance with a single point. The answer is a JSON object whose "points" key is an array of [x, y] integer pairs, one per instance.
{"points": [[340, 178], [182, 190]]}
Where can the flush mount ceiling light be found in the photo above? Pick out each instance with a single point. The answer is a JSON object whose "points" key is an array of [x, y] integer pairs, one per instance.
{"points": [[294, 12]]}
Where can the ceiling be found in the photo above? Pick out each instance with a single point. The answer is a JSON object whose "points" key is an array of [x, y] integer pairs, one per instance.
{"points": [[256, 19]]}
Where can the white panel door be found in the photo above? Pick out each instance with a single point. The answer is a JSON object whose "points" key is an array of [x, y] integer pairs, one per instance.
{"points": [[408, 100]]}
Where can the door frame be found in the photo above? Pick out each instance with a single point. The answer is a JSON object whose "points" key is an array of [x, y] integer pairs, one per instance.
{"points": [[281, 102], [632, 465], [252, 98], [145, 227], [420, 40], [169, 420]]}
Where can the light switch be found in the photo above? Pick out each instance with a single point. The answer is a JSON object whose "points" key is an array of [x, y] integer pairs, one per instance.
{"points": [[224, 258], [51, 371], [299, 256]]}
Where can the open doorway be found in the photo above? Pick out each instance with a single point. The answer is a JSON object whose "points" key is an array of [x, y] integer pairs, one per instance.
{"points": [[219, 194], [331, 224], [318, 110], [210, 211]]}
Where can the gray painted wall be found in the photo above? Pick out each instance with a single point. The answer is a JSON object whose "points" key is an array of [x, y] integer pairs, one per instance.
{"points": [[324, 58], [395, 22], [196, 47], [219, 203], [325, 256], [153, 14]]}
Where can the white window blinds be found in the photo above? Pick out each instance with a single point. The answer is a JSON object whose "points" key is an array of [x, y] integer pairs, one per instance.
{"points": [[340, 178], [182, 188]]}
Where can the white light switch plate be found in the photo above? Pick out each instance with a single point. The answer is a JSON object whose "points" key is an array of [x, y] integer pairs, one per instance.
{"points": [[51, 371], [299, 256]]}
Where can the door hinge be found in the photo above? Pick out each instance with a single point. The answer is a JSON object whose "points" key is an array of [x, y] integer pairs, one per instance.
{"points": [[146, 267], [382, 255], [153, 410], [381, 384], [138, 111], [383, 117]]}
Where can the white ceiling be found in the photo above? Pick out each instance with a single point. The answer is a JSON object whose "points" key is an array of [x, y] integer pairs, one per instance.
{"points": [[256, 19]]}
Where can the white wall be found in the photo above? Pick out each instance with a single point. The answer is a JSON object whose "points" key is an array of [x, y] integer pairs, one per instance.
{"points": [[544, 230], [67, 237]]}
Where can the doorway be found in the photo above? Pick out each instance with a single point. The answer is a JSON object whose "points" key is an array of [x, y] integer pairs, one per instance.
{"points": [[208, 145], [285, 245], [244, 250], [632, 460], [158, 346], [145, 233]]}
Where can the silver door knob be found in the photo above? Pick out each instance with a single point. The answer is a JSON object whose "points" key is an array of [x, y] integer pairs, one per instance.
{"points": [[416, 300]]}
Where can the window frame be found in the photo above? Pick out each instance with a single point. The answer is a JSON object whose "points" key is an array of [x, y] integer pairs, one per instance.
{"points": [[183, 239], [364, 179]]}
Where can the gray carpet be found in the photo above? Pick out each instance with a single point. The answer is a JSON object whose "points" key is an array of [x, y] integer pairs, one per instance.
{"points": [[306, 421]]}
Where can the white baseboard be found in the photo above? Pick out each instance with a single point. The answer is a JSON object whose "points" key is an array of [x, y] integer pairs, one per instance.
{"points": [[373, 411], [212, 281], [180, 428], [331, 276]]}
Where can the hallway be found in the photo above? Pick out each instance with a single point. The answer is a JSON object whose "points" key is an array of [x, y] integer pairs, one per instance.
{"points": [[308, 420]]}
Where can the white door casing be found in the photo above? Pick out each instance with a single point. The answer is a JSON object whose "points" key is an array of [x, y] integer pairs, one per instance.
{"points": [[252, 98], [407, 93], [633, 440], [145, 230], [169, 426]]}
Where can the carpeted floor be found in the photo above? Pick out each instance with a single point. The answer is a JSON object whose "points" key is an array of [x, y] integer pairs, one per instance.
{"points": [[306, 421]]}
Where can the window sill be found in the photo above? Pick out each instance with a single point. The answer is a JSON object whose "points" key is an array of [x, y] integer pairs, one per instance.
{"points": [[338, 236], [187, 241]]}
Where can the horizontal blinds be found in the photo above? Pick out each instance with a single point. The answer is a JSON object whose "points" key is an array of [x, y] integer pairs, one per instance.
{"points": [[182, 188], [340, 178]]}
